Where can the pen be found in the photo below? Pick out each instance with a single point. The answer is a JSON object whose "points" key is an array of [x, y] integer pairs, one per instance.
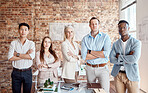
{"points": [[71, 89]]}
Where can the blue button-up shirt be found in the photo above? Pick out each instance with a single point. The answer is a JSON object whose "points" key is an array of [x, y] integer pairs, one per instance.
{"points": [[101, 41]]}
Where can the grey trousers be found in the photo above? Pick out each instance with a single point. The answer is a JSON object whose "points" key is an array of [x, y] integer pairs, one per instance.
{"points": [[98, 73]]}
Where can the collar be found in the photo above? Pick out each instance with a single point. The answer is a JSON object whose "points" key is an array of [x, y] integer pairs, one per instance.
{"points": [[68, 40], [100, 34], [25, 41], [126, 40]]}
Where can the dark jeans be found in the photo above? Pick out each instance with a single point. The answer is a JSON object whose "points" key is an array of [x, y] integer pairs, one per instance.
{"points": [[19, 78]]}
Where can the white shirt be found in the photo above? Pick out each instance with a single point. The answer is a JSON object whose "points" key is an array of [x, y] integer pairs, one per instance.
{"points": [[22, 49], [123, 47]]}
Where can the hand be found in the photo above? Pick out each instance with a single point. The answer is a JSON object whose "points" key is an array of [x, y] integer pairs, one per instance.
{"points": [[45, 66], [15, 53], [29, 51], [57, 60], [42, 66], [76, 57], [131, 52], [88, 51], [82, 61], [117, 55], [70, 53]]}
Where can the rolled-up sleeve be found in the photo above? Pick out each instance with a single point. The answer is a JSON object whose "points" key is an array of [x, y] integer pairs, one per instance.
{"points": [[107, 47], [32, 55], [11, 50], [100, 60], [106, 52]]}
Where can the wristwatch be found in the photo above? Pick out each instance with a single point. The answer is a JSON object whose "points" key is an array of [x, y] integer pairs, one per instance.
{"points": [[18, 54], [89, 51]]}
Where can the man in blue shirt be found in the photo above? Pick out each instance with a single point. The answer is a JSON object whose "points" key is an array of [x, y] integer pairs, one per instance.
{"points": [[124, 55], [95, 50]]}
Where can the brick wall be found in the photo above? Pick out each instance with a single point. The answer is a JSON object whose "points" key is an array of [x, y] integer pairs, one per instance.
{"points": [[39, 13]]}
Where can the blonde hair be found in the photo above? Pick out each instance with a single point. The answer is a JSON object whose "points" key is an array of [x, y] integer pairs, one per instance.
{"points": [[65, 29]]}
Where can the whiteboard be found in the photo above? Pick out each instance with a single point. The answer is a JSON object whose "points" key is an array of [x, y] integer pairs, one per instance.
{"points": [[56, 30]]}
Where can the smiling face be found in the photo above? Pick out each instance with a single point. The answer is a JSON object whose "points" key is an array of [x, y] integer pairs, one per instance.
{"points": [[123, 29], [69, 33], [23, 31], [47, 43], [94, 25]]}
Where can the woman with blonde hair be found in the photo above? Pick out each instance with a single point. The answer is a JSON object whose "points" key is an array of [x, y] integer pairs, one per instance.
{"points": [[71, 57], [47, 62]]}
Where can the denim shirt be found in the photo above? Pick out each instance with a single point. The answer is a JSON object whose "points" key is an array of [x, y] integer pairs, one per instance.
{"points": [[101, 41]]}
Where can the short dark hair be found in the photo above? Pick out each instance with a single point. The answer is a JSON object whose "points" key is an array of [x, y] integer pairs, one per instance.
{"points": [[23, 24], [123, 21], [92, 19]]}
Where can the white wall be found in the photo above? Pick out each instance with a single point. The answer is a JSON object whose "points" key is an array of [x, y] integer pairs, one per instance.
{"points": [[142, 13]]}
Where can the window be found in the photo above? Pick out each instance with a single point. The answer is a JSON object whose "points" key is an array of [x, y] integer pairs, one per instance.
{"points": [[128, 13]]}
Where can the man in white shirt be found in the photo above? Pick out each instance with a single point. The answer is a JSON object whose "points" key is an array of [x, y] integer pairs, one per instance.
{"points": [[22, 53]]}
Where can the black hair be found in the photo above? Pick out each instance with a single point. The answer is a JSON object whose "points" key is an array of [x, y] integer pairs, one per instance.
{"points": [[23, 24], [94, 18], [123, 21]]}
